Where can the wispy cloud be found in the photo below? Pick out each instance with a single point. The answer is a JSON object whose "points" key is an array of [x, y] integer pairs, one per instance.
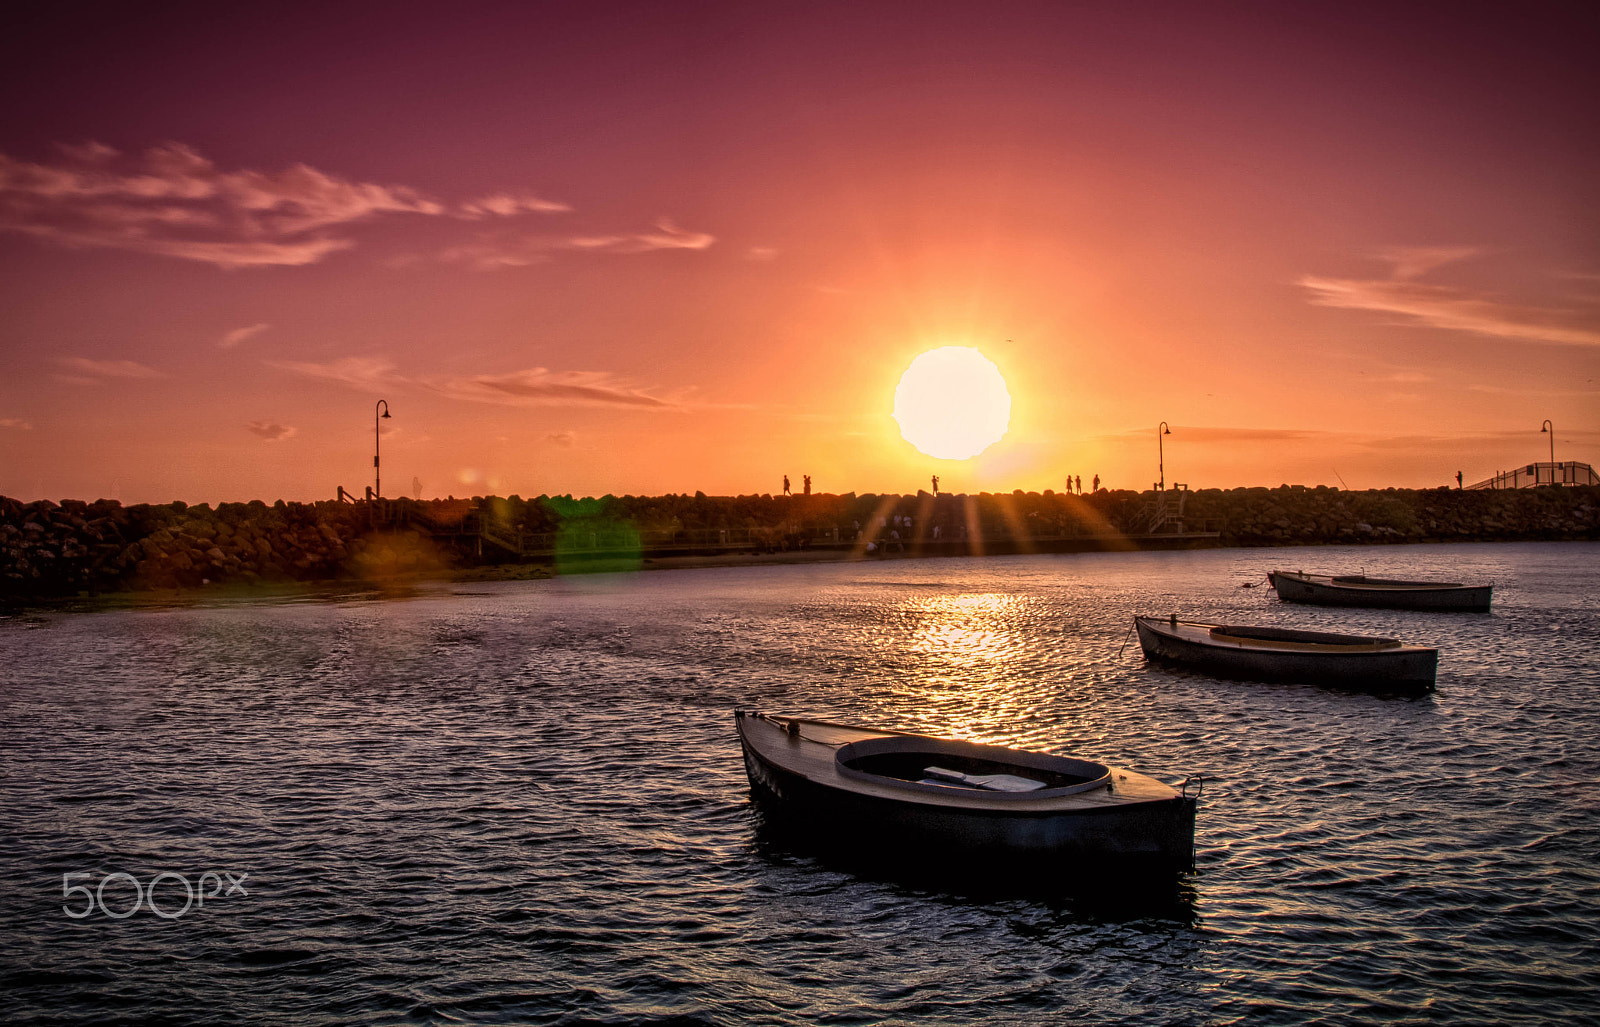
{"points": [[239, 335], [565, 439], [505, 205], [171, 201], [667, 236], [761, 253], [15, 423], [85, 369], [359, 372], [1449, 307], [537, 386], [269, 431], [1415, 261], [1224, 435], [490, 252]]}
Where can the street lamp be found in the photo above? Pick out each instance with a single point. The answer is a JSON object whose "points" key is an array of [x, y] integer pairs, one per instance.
{"points": [[377, 479], [1548, 427], [1161, 459]]}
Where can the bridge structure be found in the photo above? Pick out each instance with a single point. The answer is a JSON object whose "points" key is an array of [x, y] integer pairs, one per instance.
{"points": [[1562, 472]]}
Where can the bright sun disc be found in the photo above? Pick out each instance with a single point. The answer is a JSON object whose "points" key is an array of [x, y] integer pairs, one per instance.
{"points": [[952, 403]]}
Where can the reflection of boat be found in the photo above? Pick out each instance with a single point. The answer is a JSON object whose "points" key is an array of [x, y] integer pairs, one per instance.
{"points": [[935, 802], [1289, 654], [1358, 590]]}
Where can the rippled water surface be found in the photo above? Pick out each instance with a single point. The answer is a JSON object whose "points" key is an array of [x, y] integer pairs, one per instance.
{"points": [[523, 802]]}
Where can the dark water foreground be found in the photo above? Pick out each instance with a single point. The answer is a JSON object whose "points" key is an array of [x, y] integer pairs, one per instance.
{"points": [[523, 802]]}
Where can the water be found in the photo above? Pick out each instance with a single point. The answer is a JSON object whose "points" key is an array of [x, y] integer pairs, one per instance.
{"points": [[524, 803]]}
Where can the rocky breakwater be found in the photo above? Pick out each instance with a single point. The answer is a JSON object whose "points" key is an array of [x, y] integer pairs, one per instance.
{"points": [[1297, 515], [63, 549]]}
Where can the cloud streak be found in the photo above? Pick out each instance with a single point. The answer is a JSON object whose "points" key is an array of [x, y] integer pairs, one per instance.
{"points": [[490, 252], [505, 205], [536, 386], [357, 372], [269, 431], [239, 335], [173, 202], [101, 370], [1448, 307], [1222, 435], [540, 386]]}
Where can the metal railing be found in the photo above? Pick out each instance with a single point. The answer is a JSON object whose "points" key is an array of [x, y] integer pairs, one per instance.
{"points": [[1561, 472]]}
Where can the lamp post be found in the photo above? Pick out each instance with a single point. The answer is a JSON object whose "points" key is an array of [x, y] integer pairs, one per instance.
{"points": [[1161, 458], [1548, 427], [377, 478]]}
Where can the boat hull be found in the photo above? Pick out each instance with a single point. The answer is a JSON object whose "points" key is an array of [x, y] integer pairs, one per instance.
{"points": [[1154, 837], [1404, 669], [1294, 588]]}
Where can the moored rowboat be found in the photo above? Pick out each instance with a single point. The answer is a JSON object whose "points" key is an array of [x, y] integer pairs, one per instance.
{"points": [[931, 800], [1359, 590], [1289, 654]]}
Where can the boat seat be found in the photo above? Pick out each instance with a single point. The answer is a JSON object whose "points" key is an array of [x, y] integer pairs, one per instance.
{"points": [[991, 782]]}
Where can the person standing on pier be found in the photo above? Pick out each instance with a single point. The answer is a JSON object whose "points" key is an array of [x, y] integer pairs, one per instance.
{"points": [[1096, 483], [936, 484], [806, 484], [786, 485]]}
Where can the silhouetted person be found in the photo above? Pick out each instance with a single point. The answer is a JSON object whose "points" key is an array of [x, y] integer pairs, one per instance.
{"points": [[936, 484], [786, 485], [1079, 487], [806, 484], [1096, 483], [1458, 480]]}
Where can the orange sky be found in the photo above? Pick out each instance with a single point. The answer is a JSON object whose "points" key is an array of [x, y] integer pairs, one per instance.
{"points": [[671, 248]]}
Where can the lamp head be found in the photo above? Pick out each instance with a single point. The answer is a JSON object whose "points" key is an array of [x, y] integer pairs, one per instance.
{"points": [[1167, 431], [1542, 430], [386, 412]]}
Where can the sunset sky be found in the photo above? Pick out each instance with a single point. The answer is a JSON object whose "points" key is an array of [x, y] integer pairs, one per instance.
{"points": [[677, 247]]}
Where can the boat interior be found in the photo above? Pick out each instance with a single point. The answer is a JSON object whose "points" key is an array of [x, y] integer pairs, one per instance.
{"points": [[955, 771], [1294, 636], [1358, 579]]}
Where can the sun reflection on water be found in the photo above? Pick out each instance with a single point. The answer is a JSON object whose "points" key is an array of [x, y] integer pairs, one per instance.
{"points": [[966, 630], [966, 650]]}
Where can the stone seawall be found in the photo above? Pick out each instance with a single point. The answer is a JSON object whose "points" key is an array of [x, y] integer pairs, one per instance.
{"points": [[73, 547]]}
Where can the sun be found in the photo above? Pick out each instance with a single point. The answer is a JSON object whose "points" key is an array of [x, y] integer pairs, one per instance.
{"points": [[952, 403]]}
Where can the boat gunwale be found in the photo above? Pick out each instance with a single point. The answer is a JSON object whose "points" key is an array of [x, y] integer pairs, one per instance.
{"points": [[1361, 583], [1142, 790], [1372, 645], [959, 747]]}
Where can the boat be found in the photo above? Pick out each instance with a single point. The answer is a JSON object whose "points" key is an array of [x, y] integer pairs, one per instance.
{"points": [[1359, 590], [1290, 654], [938, 802]]}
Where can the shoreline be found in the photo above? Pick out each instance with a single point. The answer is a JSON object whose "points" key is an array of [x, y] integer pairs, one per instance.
{"points": [[77, 549], [412, 584]]}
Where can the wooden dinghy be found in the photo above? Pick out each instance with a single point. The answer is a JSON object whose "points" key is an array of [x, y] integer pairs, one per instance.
{"points": [[1289, 654], [1358, 590], [931, 800]]}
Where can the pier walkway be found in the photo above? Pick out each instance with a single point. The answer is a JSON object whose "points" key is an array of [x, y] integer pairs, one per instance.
{"points": [[487, 536]]}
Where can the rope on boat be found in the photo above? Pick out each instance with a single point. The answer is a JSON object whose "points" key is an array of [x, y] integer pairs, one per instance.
{"points": [[791, 727], [1125, 638], [1199, 782]]}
